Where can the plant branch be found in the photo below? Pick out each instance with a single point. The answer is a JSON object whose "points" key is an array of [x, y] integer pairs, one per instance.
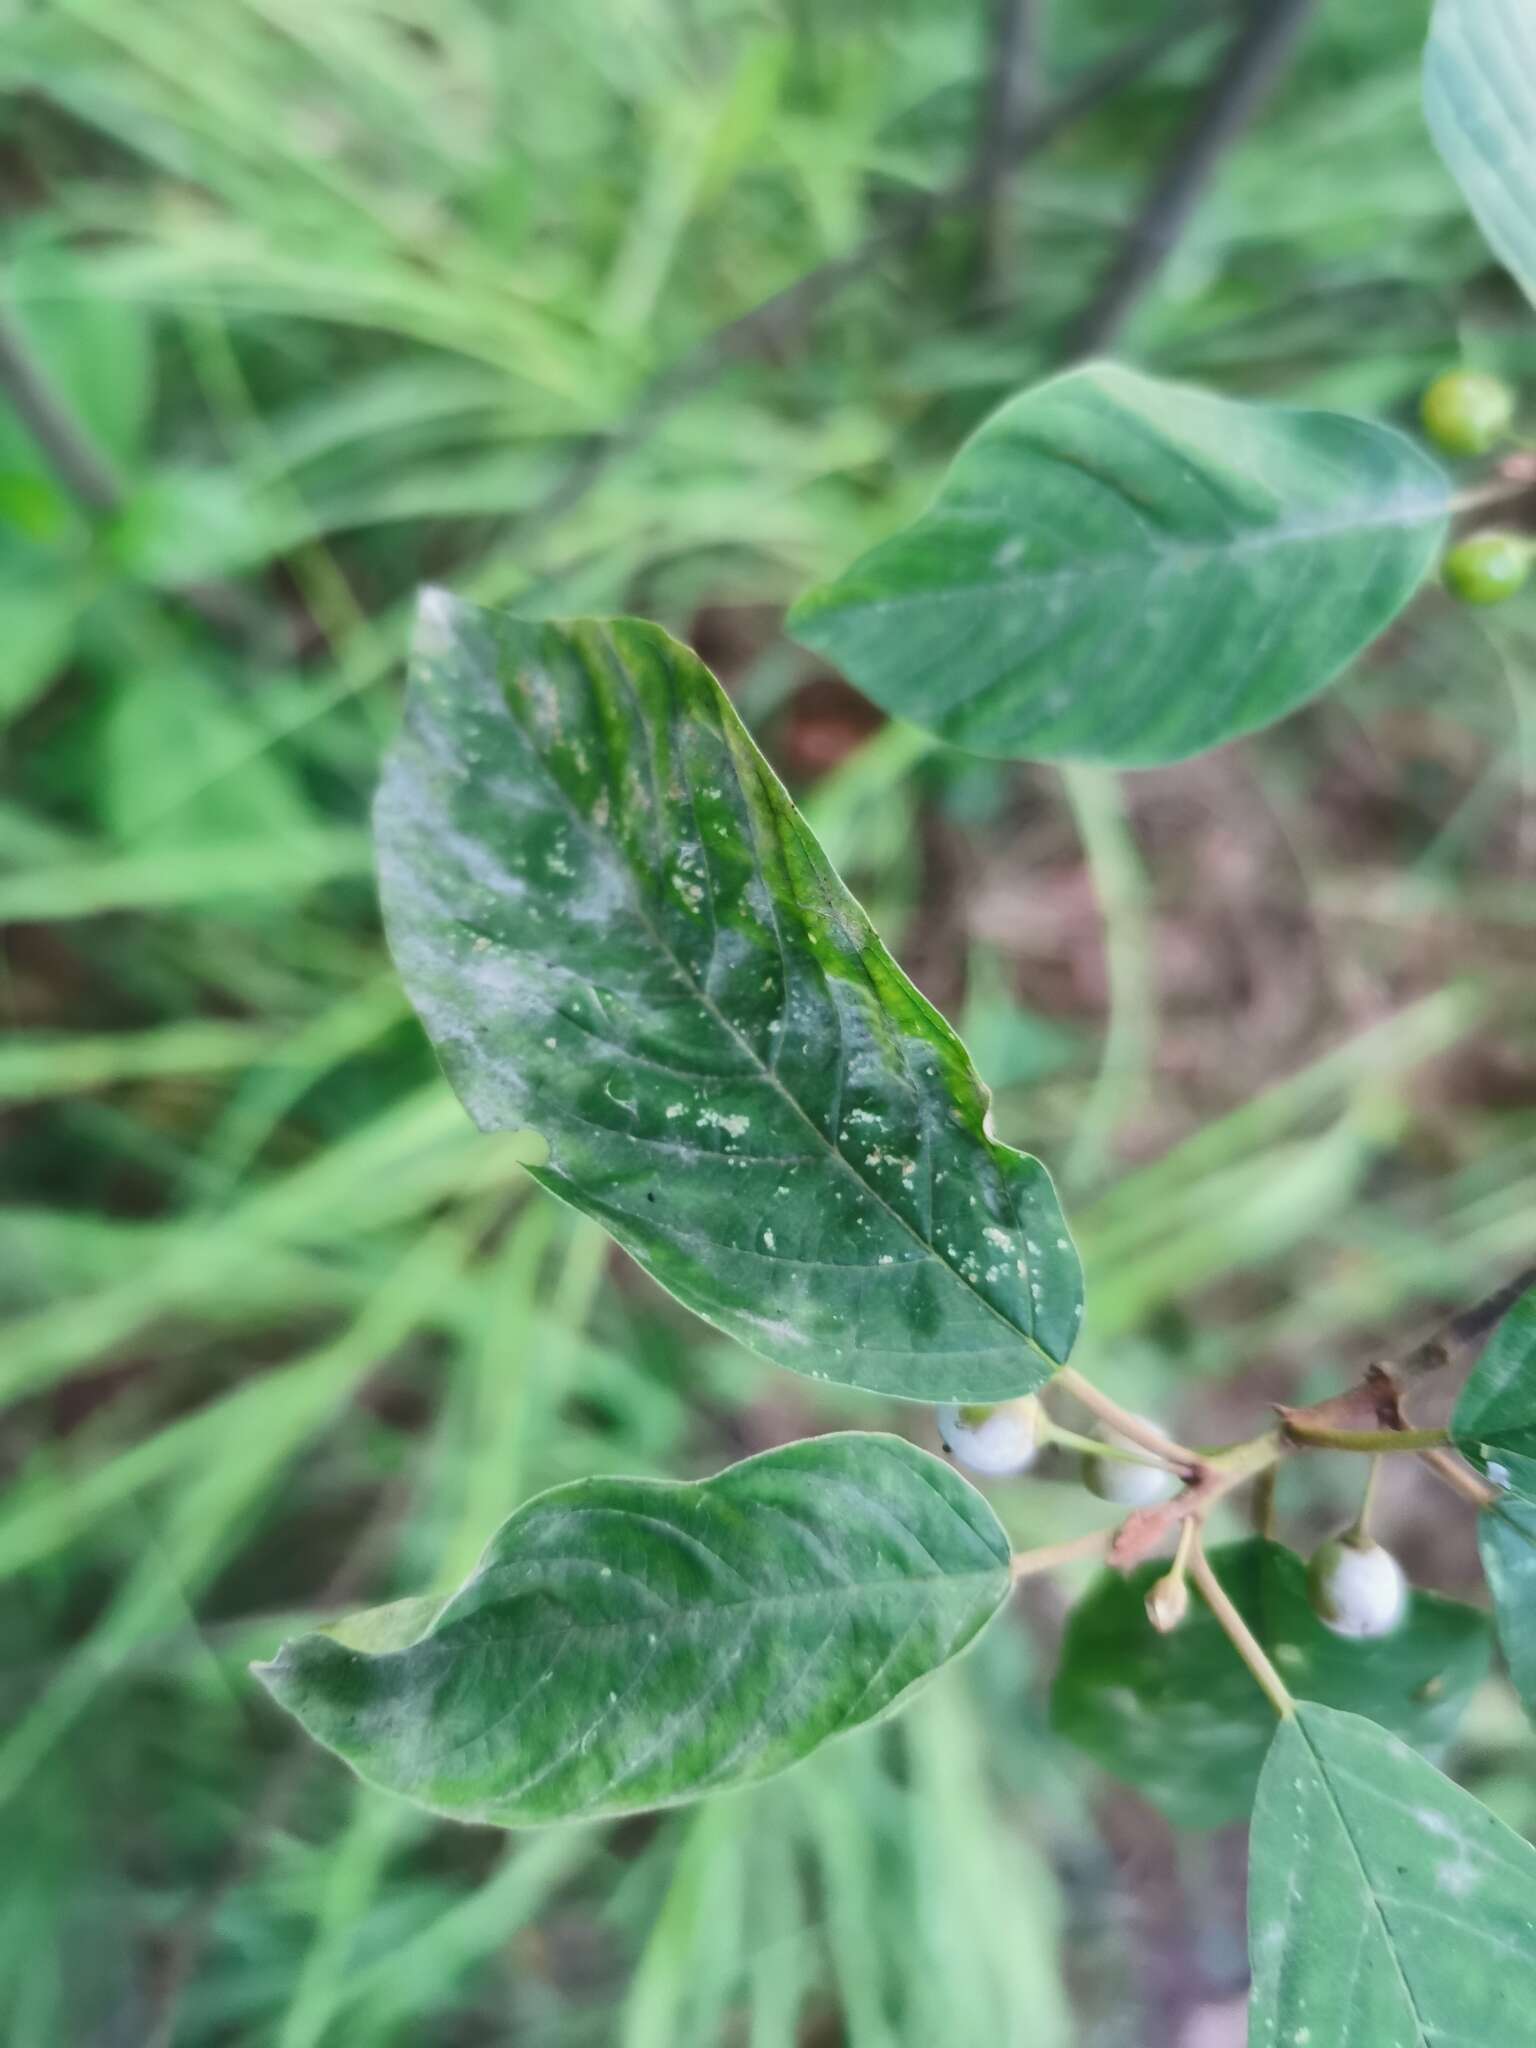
{"points": [[1499, 490], [1451, 1344], [1218, 1473], [1459, 1478], [1264, 1502], [1029, 1564], [1004, 106], [1163, 1448], [87, 474], [1250, 69], [1373, 1440], [1337, 1424], [1052, 1433], [1360, 1528], [1374, 1404], [1240, 1635], [75, 459]]}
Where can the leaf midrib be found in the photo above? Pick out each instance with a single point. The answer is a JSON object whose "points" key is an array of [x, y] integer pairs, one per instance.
{"points": [[1370, 1890], [1148, 563], [687, 1621]]}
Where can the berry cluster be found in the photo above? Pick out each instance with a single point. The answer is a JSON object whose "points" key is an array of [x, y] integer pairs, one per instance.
{"points": [[1469, 413], [1357, 1587]]}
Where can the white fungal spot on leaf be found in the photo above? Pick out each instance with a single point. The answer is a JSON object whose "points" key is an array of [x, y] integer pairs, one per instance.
{"points": [[733, 1126], [1457, 1879]]}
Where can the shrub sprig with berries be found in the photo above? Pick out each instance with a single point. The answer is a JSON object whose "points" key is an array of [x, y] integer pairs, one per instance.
{"points": [[623, 939]]}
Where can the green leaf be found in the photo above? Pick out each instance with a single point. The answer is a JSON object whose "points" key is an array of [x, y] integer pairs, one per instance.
{"points": [[1122, 570], [625, 1643], [1494, 1422], [1386, 1907], [618, 930], [1480, 103], [1180, 1717], [1494, 1425], [1506, 1539]]}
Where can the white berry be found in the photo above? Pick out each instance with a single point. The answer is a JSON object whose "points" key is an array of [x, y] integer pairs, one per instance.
{"points": [[995, 1441], [1128, 1485], [1358, 1589]]}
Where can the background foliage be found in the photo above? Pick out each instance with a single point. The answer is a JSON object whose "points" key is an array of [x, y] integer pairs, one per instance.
{"points": [[351, 297]]}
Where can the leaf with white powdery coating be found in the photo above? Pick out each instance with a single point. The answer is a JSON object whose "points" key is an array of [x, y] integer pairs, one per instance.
{"points": [[1480, 103], [1123, 570], [625, 1643], [619, 932], [1386, 1907]]}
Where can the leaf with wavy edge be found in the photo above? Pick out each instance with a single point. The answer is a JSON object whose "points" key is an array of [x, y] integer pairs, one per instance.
{"points": [[625, 1643], [618, 930]]}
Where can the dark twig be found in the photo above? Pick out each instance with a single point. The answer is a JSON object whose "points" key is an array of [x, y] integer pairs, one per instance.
{"points": [[1006, 95], [1375, 1401], [780, 320], [84, 472], [88, 475], [1452, 1343], [1251, 67]]}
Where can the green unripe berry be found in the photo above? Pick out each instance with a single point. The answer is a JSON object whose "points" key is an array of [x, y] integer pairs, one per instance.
{"points": [[995, 1441], [1127, 1485], [1357, 1589], [1488, 569], [1467, 412]]}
